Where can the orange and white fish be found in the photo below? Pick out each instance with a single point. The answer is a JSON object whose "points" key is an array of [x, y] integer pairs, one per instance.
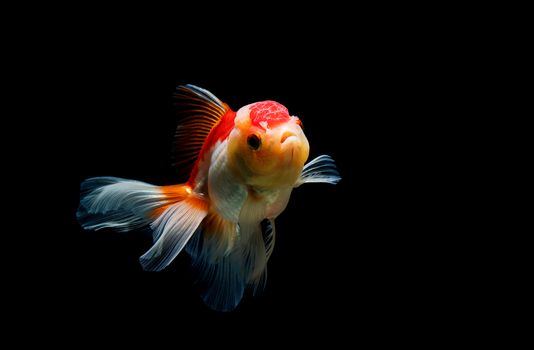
{"points": [[243, 167]]}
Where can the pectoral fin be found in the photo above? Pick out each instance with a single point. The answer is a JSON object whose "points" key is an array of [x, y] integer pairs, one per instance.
{"points": [[320, 170]]}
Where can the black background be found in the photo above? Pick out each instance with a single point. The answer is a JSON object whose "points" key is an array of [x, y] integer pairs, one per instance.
{"points": [[364, 256]]}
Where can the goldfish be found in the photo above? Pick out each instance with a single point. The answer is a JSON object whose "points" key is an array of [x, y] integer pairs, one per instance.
{"points": [[242, 166]]}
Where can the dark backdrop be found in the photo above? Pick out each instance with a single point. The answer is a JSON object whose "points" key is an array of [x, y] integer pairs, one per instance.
{"points": [[361, 255]]}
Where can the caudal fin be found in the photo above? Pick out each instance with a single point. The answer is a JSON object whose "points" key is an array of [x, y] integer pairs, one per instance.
{"points": [[226, 267], [173, 212], [111, 202]]}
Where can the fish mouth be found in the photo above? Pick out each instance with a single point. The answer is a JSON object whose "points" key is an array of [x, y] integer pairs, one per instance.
{"points": [[289, 150], [288, 135]]}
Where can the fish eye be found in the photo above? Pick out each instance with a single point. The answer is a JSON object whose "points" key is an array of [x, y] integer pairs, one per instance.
{"points": [[254, 141]]}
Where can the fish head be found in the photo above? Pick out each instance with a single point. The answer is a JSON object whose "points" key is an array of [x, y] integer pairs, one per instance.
{"points": [[267, 147]]}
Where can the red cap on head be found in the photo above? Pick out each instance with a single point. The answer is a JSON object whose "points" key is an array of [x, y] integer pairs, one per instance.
{"points": [[268, 112]]}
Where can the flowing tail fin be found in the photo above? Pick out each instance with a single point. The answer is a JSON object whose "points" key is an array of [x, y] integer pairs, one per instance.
{"points": [[228, 259], [173, 212]]}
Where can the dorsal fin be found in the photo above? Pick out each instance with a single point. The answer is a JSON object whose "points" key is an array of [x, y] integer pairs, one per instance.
{"points": [[201, 111]]}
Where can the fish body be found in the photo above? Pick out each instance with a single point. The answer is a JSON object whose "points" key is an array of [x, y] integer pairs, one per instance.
{"points": [[242, 169]]}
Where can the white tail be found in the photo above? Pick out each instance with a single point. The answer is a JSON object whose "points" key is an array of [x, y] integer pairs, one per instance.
{"points": [[173, 212]]}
